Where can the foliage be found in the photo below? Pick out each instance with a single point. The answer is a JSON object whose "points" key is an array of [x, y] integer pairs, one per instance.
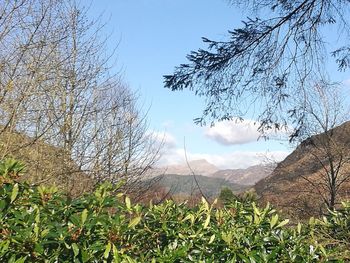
{"points": [[226, 195], [10, 168], [334, 231], [269, 63], [40, 224]]}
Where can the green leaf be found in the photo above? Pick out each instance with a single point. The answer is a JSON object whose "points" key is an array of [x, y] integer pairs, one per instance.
{"points": [[75, 220], [45, 232], [2, 205], [256, 219], [207, 221], [211, 240], [36, 231], [323, 250], [284, 222], [75, 249], [182, 236], [85, 257], [273, 221], [127, 203], [4, 246], [107, 250], [134, 222], [21, 260], [299, 228], [227, 237], [39, 248], [189, 217], [14, 192], [312, 220], [205, 203], [115, 253], [84, 216], [256, 210]]}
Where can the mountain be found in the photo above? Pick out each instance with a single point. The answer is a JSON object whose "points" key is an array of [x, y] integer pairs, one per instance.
{"points": [[248, 176], [186, 184], [180, 180], [200, 167], [295, 185]]}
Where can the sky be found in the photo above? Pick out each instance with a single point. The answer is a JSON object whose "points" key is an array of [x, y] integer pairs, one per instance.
{"points": [[154, 36]]}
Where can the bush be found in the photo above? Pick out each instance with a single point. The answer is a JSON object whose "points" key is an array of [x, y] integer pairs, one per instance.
{"points": [[40, 224], [226, 196]]}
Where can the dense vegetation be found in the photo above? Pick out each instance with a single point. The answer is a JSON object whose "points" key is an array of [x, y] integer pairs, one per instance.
{"points": [[41, 224]]}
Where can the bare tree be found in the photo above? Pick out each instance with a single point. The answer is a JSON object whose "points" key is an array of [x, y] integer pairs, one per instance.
{"points": [[58, 88], [121, 148], [325, 138], [268, 62], [30, 31]]}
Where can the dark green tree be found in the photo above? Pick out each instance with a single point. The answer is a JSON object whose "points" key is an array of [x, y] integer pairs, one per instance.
{"points": [[226, 196], [269, 64]]}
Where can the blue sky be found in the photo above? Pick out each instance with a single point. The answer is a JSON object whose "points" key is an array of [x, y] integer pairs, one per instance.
{"points": [[156, 35]]}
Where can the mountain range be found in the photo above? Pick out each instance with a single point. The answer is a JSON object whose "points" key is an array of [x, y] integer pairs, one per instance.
{"points": [[182, 179], [185, 185], [200, 167], [296, 185]]}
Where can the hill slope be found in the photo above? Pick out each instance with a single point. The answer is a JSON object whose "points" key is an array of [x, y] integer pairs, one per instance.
{"points": [[45, 164], [295, 184]]}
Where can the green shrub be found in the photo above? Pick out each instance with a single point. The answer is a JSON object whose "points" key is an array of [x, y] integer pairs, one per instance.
{"points": [[333, 232], [226, 196], [40, 224]]}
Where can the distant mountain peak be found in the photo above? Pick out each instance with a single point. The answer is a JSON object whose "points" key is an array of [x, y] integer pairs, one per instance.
{"points": [[200, 161], [199, 167]]}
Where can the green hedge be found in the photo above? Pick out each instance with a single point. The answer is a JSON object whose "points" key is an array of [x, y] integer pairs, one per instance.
{"points": [[40, 224]]}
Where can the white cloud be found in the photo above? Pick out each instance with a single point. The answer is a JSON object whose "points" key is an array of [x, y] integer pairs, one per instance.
{"points": [[233, 132], [170, 153], [171, 157], [241, 132], [174, 154], [168, 124], [167, 140], [347, 82]]}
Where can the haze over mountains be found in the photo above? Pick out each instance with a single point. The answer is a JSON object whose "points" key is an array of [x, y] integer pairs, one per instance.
{"points": [[211, 179], [248, 176], [199, 167]]}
